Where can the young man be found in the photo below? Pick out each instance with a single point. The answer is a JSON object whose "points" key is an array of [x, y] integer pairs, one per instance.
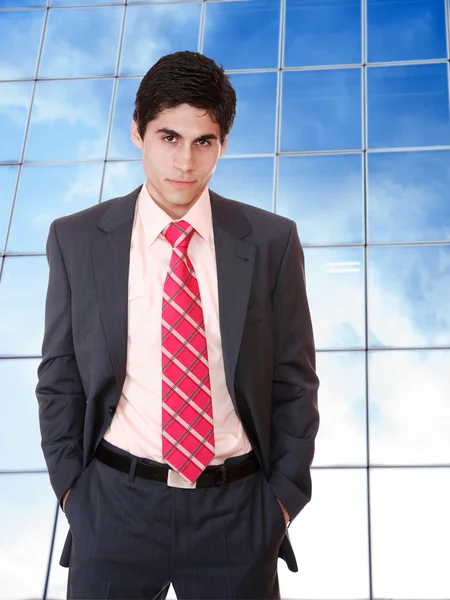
{"points": [[177, 391]]}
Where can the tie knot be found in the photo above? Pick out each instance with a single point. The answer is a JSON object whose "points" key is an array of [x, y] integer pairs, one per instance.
{"points": [[179, 234]]}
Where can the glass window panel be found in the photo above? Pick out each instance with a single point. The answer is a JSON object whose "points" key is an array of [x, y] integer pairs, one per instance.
{"points": [[80, 42], [410, 533], [21, 3], [248, 180], [342, 433], [324, 195], [335, 285], [408, 106], [68, 189], [22, 297], [20, 36], [15, 100], [8, 177], [19, 413], [408, 196], [243, 35], [330, 540], [120, 144], [57, 584], [69, 120], [254, 127], [121, 178], [405, 30], [27, 509], [321, 110], [153, 31], [408, 288], [87, 2], [400, 424], [322, 32]]}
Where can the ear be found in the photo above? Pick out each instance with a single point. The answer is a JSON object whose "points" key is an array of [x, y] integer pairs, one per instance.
{"points": [[135, 137], [223, 147]]}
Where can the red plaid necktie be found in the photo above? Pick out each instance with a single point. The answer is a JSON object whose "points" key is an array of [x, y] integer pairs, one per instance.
{"points": [[187, 419]]}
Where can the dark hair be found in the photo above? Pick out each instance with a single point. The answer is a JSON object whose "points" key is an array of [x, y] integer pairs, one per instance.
{"points": [[186, 78]]}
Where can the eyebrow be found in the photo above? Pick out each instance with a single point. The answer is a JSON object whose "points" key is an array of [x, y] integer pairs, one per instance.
{"points": [[172, 132]]}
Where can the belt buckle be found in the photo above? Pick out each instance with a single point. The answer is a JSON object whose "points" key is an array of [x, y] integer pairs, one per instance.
{"points": [[175, 480]]}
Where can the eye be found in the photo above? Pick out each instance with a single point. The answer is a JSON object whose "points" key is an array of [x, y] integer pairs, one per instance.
{"points": [[169, 138], [204, 143]]}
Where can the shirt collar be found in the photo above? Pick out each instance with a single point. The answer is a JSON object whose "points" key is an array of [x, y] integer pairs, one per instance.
{"points": [[154, 219]]}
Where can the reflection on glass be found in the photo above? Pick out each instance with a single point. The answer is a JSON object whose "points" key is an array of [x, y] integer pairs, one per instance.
{"points": [[81, 42], [410, 533], [405, 30], [20, 36], [8, 177], [322, 33], [120, 144], [27, 514], [342, 433], [408, 291], [153, 31], [22, 3], [243, 35], [68, 189], [254, 127], [87, 2], [121, 178], [22, 298], [248, 180], [324, 195], [69, 120], [19, 413], [330, 540], [408, 196], [335, 281], [409, 408], [325, 107], [57, 584], [408, 106], [15, 100]]}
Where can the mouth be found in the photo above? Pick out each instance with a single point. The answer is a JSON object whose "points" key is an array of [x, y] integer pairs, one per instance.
{"points": [[180, 183]]}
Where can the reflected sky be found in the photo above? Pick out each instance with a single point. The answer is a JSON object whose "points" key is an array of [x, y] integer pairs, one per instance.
{"points": [[20, 36], [324, 195], [120, 144], [81, 41], [408, 106], [342, 433], [69, 120], [320, 32], [335, 283], [410, 533], [257, 173], [22, 451], [405, 30], [22, 298], [330, 540], [243, 35], [408, 287], [121, 178], [21, 3], [408, 196], [15, 98], [27, 506], [402, 416], [8, 177], [46, 193], [325, 107], [150, 34]]}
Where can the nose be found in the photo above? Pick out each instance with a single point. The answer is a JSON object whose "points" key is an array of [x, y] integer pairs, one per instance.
{"points": [[184, 159]]}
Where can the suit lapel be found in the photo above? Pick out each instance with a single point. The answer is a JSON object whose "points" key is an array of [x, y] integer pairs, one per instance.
{"points": [[111, 259], [235, 262]]}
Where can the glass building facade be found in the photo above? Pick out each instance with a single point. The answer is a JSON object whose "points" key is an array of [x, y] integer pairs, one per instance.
{"points": [[343, 125]]}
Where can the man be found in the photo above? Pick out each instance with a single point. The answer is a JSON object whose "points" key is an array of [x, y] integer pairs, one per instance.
{"points": [[177, 391]]}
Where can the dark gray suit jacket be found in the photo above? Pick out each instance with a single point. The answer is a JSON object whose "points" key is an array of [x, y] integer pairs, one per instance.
{"points": [[267, 340]]}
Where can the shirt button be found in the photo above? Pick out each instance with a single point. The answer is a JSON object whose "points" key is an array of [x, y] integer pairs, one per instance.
{"points": [[112, 410]]}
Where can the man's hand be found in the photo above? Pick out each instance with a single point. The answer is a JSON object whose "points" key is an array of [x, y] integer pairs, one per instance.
{"points": [[287, 518], [64, 500]]}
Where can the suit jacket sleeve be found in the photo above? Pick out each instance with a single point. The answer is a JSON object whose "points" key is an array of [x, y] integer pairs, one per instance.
{"points": [[295, 418], [62, 402]]}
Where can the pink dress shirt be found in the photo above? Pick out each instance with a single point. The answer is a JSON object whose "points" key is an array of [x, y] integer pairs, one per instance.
{"points": [[136, 425]]}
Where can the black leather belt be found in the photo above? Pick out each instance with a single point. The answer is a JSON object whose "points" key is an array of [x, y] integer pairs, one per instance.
{"points": [[212, 476]]}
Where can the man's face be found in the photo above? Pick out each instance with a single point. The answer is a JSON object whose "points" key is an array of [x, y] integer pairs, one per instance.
{"points": [[180, 151]]}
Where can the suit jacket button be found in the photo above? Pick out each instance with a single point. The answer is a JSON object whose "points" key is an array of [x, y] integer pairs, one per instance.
{"points": [[112, 410]]}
